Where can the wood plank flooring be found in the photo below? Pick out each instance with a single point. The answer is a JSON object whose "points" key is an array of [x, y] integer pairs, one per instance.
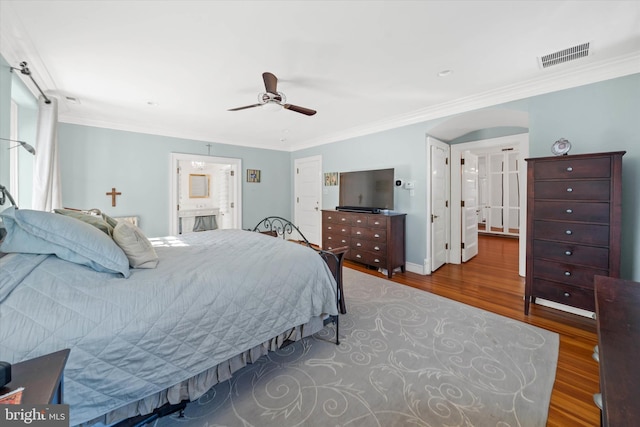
{"points": [[490, 281]]}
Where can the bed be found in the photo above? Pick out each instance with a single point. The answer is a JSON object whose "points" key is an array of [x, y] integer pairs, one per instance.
{"points": [[141, 338]]}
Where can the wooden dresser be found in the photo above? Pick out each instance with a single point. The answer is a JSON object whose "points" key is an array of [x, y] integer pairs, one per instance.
{"points": [[373, 239], [574, 209]]}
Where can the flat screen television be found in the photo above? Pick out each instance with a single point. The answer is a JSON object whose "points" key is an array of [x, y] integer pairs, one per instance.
{"points": [[366, 191]]}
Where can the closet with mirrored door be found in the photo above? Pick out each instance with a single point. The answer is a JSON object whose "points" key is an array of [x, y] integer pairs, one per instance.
{"points": [[499, 190]]}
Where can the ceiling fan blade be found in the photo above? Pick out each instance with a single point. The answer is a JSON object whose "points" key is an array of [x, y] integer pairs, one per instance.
{"points": [[245, 107], [301, 110], [270, 82]]}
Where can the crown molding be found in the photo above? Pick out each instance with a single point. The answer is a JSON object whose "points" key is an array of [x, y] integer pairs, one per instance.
{"points": [[567, 79]]}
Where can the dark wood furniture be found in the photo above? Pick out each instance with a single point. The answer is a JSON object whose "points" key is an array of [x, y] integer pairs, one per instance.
{"points": [[41, 378], [376, 240], [574, 210], [618, 319]]}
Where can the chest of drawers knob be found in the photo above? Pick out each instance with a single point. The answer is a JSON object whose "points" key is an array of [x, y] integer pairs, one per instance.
{"points": [[569, 232], [569, 211], [567, 294], [568, 253], [569, 169], [567, 273], [569, 190]]}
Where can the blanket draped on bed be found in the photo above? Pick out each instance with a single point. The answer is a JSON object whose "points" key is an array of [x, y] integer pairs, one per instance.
{"points": [[214, 295]]}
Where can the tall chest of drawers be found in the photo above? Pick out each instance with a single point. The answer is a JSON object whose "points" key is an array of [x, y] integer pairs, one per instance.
{"points": [[373, 239], [574, 210]]}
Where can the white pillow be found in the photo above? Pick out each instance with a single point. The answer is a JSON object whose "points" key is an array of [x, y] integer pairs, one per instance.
{"points": [[135, 245]]}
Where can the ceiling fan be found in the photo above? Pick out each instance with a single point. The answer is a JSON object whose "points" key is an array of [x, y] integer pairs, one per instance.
{"points": [[272, 98]]}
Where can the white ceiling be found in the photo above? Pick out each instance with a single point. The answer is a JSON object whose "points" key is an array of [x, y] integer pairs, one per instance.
{"points": [[365, 66]]}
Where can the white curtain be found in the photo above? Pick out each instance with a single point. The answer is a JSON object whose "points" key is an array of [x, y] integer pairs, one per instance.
{"points": [[46, 180]]}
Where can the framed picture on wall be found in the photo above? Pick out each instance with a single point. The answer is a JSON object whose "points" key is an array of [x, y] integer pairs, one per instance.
{"points": [[330, 179], [253, 175]]}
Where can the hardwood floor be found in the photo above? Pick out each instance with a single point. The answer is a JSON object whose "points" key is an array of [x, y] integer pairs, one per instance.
{"points": [[490, 281]]}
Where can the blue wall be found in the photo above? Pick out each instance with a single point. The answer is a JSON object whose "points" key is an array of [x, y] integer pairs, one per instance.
{"points": [[93, 160]]}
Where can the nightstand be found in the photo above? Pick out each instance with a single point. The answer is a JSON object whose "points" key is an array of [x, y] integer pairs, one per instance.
{"points": [[41, 378]]}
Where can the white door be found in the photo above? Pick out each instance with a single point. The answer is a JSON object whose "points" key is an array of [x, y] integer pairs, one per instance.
{"points": [[308, 197], [439, 204], [469, 192]]}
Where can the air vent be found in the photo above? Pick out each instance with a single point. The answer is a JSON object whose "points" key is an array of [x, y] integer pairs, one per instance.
{"points": [[565, 55]]}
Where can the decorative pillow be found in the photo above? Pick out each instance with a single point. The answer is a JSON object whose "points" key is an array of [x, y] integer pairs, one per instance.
{"points": [[95, 220], [135, 245], [111, 221], [38, 232]]}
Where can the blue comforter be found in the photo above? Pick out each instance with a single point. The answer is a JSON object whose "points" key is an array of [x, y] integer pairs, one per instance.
{"points": [[213, 295]]}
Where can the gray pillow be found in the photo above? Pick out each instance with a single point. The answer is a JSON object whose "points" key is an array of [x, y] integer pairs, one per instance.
{"points": [[135, 245], [96, 221]]}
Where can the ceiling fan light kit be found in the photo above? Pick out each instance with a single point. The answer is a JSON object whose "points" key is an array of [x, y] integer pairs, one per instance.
{"points": [[273, 100]]}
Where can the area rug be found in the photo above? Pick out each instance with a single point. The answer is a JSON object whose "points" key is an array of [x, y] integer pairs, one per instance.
{"points": [[406, 358]]}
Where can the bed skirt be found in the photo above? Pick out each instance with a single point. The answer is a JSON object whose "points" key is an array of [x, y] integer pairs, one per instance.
{"points": [[194, 387]]}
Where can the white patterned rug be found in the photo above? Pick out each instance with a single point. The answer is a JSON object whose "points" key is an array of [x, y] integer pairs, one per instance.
{"points": [[406, 358]]}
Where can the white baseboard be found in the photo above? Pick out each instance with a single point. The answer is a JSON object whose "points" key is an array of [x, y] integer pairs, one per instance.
{"points": [[566, 308]]}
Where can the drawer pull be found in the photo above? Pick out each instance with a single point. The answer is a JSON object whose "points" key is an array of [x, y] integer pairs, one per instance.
{"points": [[357, 232], [329, 217], [569, 190], [376, 248], [343, 230], [376, 260], [343, 219], [567, 294], [358, 244], [569, 211], [358, 256], [376, 235], [569, 169], [329, 228], [344, 241], [568, 253], [569, 232], [329, 237], [567, 273], [376, 223], [359, 221]]}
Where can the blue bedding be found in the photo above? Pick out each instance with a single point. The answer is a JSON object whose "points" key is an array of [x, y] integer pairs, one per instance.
{"points": [[213, 295]]}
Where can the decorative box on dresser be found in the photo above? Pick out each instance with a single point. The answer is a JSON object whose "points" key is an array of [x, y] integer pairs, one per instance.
{"points": [[373, 239], [574, 209]]}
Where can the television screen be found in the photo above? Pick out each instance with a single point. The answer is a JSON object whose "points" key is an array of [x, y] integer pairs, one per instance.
{"points": [[369, 190]]}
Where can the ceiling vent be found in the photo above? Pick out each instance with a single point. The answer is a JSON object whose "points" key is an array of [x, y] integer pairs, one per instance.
{"points": [[565, 55]]}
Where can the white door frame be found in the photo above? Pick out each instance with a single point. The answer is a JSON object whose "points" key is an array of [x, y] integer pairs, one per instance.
{"points": [[296, 211], [173, 185], [522, 141]]}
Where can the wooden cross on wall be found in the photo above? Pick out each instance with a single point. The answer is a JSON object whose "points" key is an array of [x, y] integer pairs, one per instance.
{"points": [[113, 195]]}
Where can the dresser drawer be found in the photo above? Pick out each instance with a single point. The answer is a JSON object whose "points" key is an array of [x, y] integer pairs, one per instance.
{"points": [[336, 217], [572, 211], [369, 245], [573, 190], [368, 258], [565, 294], [571, 253], [574, 232], [574, 168], [369, 234], [566, 273], [335, 240], [331, 228], [359, 220], [377, 221]]}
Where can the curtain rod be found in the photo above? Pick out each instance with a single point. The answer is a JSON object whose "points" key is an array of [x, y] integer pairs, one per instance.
{"points": [[24, 70]]}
